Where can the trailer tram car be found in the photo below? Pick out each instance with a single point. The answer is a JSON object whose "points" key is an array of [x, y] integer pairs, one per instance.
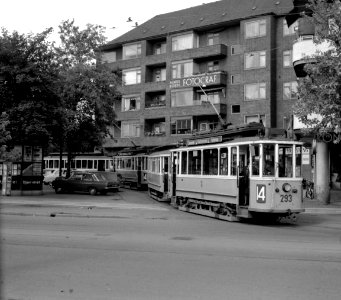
{"points": [[80, 162], [239, 178], [158, 175], [132, 170]]}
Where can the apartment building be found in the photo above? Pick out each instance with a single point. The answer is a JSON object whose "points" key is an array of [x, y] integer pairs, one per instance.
{"points": [[193, 70]]}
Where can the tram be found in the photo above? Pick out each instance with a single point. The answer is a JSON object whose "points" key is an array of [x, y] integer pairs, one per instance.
{"points": [[80, 162], [131, 169], [238, 178], [158, 175]]}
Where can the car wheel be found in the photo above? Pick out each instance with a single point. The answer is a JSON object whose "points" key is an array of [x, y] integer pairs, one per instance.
{"points": [[92, 191]]}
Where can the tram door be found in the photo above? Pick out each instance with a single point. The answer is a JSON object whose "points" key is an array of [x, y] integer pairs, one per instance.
{"points": [[166, 171], [138, 164], [244, 176]]}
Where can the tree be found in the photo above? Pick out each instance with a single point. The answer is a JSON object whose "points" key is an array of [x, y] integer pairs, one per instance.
{"points": [[87, 89], [28, 72], [319, 103]]}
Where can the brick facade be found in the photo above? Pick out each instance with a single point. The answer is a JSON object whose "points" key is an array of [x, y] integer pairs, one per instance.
{"points": [[228, 56]]}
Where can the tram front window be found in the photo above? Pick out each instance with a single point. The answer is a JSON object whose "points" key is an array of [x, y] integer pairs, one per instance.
{"points": [[184, 162], [269, 160], [210, 162], [298, 169], [234, 161], [224, 161], [194, 162], [285, 161], [255, 160]]}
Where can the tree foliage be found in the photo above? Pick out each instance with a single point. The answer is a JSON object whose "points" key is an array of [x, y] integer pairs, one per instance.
{"points": [[55, 95], [319, 103], [28, 70], [87, 90]]}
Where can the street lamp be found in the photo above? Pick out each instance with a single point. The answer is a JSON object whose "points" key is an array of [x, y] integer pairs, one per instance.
{"points": [[207, 100]]}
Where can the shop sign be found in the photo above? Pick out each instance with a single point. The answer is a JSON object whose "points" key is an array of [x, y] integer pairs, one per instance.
{"points": [[199, 80]]}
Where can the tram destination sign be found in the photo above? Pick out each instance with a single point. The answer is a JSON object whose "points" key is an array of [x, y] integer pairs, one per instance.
{"points": [[210, 140]]}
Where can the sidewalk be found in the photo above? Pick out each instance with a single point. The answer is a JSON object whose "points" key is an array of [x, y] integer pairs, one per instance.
{"points": [[315, 206], [120, 200]]}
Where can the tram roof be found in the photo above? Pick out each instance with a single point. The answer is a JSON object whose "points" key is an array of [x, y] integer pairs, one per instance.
{"points": [[243, 141]]}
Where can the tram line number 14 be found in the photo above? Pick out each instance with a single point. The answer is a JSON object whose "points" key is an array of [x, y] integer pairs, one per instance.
{"points": [[261, 192]]}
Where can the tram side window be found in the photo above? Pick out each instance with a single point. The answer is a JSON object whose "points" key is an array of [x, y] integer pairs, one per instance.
{"points": [[183, 162], [298, 169], [210, 162], [285, 164], [78, 164], [234, 161], [255, 159], [194, 162], [224, 161], [56, 163], [90, 164], [269, 160]]}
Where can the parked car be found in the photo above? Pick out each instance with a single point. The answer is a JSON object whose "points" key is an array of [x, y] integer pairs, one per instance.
{"points": [[92, 182]]}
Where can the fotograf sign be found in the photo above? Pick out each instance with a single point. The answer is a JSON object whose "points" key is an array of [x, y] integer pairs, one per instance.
{"points": [[203, 79]]}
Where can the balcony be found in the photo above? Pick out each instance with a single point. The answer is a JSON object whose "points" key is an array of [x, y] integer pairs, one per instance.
{"points": [[213, 51], [208, 79], [303, 51]]}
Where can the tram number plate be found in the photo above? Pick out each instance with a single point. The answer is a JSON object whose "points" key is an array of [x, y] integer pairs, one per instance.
{"points": [[286, 198], [260, 193]]}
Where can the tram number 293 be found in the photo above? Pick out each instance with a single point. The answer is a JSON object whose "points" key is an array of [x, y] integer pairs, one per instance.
{"points": [[260, 193], [286, 198]]}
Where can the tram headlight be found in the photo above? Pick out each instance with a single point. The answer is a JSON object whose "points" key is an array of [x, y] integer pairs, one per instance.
{"points": [[286, 187]]}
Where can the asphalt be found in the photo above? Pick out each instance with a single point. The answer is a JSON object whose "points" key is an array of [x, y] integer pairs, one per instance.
{"points": [[108, 206]]}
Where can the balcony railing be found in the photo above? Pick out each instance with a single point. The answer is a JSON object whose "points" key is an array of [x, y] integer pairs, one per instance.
{"points": [[155, 104], [304, 49]]}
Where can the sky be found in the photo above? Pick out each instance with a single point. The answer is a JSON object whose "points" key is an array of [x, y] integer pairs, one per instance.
{"points": [[34, 16]]}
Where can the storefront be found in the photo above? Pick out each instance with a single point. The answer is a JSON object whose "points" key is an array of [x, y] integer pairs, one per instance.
{"points": [[24, 177]]}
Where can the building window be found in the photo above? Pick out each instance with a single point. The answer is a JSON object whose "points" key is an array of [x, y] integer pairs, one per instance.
{"points": [[255, 118], [108, 57], [255, 29], [235, 109], [213, 66], [159, 75], [290, 90], [236, 49], [131, 103], [213, 97], [131, 76], [289, 30], [185, 41], [182, 69], [212, 39], [130, 129], [183, 126], [255, 91], [159, 48], [236, 79], [182, 98], [287, 58], [255, 60], [131, 51]]}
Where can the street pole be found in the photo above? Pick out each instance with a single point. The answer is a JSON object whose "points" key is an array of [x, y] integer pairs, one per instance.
{"points": [[207, 100]]}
